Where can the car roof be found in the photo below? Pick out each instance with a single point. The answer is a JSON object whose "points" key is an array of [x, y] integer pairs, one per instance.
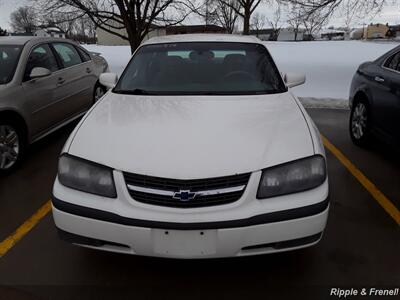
{"points": [[22, 40], [203, 37]]}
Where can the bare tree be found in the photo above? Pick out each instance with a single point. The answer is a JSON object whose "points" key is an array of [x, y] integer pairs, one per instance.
{"points": [[245, 9], [349, 13], [76, 26], [208, 11], [276, 23], [137, 17], [314, 21], [328, 7], [212, 11], [90, 28], [258, 22], [227, 14], [295, 19], [218, 13], [66, 22], [24, 19]]}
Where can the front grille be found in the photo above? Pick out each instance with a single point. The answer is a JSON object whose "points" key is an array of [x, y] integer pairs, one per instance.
{"points": [[210, 192]]}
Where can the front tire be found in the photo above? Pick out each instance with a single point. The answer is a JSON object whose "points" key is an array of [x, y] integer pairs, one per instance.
{"points": [[12, 145], [360, 124]]}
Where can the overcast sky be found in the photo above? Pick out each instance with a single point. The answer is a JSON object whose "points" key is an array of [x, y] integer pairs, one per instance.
{"points": [[390, 14]]}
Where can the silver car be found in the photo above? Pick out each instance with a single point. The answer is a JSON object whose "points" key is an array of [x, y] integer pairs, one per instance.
{"points": [[45, 83]]}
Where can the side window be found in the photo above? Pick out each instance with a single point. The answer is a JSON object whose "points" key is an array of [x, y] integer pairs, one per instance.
{"points": [[42, 57], [85, 57], [68, 54], [393, 62]]}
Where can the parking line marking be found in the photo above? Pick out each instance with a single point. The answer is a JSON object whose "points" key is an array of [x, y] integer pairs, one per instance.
{"points": [[24, 229], [387, 205]]}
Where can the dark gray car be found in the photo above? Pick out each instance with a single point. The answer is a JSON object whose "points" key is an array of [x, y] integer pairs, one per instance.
{"points": [[375, 100], [45, 83]]}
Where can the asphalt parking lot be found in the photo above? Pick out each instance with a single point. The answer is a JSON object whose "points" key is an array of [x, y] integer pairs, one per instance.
{"points": [[360, 248]]}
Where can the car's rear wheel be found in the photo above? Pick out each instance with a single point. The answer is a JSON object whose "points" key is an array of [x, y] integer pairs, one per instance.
{"points": [[360, 124], [99, 92], [11, 146]]}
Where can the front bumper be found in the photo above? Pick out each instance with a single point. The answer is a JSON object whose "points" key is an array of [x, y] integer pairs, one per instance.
{"points": [[246, 227], [262, 234]]}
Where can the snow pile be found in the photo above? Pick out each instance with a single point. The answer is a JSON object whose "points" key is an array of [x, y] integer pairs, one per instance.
{"points": [[116, 56], [332, 103], [329, 66]]}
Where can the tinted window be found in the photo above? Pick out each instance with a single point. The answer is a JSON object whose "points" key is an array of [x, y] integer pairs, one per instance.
{"points": [[40, 57], [85, 57], [9, 56], [68, 54], [201, 68], [393, 62]]}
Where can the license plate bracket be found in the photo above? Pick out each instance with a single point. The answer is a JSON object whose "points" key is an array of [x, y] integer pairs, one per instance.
{"points": [[193, 243]]}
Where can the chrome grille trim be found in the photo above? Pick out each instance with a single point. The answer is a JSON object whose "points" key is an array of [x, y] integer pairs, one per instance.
{"points": [[200, 193], [186, 193]]}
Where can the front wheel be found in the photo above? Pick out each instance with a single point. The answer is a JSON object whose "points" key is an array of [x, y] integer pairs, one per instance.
{"points": [[360, 124], [11, 146], [99, 92]]}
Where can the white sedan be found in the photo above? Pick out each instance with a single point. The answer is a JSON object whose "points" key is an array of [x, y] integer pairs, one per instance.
{"points": [[199, 150]]}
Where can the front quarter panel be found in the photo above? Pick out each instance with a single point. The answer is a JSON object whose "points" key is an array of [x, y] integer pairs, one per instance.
{"points": [[361, 83], [12, 98], [314, 132], [68, 143]]}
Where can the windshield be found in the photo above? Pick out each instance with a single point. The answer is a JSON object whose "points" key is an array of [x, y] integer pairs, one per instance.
{"points": [[9, 56], [201, 69]]}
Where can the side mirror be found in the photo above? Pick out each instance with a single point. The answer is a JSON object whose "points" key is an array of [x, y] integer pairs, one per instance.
{"points": [[109, 80], [39, 73], [294, 79]]}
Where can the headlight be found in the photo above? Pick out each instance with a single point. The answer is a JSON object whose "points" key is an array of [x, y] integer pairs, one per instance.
{"points": [[85, 176], [293, 177]]}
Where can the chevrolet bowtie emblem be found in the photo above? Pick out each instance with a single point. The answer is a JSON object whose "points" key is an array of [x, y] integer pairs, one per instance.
{"points": [[184, 196]]}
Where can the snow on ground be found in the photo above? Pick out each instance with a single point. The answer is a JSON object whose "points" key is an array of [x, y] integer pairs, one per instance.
{"points": [[116, 56], [328, 65]]}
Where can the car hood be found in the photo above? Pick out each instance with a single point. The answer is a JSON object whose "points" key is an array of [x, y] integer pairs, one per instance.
{"points": [[188, 137]]}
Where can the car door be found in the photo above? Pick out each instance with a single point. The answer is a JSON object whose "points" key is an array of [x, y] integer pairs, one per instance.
{"points": [[77, 88], [92, 74], [386, 96], [41, 93]]}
